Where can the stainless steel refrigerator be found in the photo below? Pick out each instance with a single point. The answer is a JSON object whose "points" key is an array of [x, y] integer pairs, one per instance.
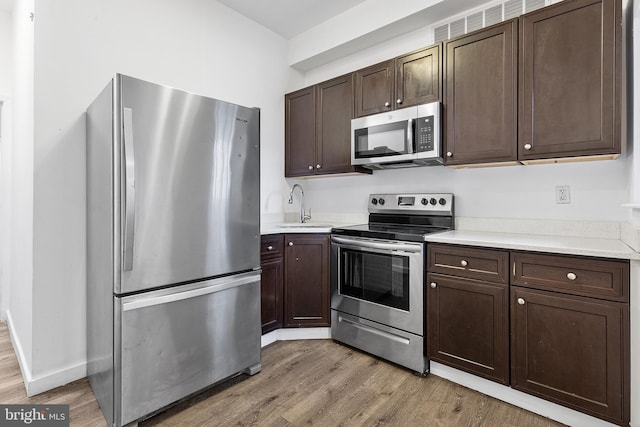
{"points": [[173, 267]]}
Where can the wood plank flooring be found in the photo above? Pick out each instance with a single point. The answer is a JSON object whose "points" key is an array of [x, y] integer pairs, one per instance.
{"points": [[312, 382]]}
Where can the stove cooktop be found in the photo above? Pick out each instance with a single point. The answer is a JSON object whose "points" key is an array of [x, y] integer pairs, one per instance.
{"points": [[387, 232], [404, 217]]}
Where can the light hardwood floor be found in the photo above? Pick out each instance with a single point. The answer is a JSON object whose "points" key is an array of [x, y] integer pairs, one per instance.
{"points": [[314, 382]]}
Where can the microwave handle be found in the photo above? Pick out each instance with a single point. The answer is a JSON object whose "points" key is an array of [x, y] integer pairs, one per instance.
{"points": [[410, 128]]}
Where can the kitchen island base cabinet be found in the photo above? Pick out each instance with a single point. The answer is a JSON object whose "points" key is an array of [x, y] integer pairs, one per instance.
{"points": [[306, 280], [571, 350]]}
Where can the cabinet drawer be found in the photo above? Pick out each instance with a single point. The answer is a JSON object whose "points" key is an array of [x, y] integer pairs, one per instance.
{"points": [[595, 277], [271, 246], [473, 263]]}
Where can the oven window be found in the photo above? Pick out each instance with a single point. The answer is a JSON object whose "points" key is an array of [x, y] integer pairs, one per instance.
{"points": [[379, 278]]}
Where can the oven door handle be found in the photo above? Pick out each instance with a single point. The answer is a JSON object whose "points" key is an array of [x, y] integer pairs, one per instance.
{"points": [[405, 247]]}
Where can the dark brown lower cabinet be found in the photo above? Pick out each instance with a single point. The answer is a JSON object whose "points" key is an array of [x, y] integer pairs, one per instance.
{"points": [[272, 295], [468, 326], [306, 280], [272, 282], [572, 350]]}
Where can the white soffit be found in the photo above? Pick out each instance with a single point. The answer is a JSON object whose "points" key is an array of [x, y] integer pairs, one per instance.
{"points": [[368, 24]]}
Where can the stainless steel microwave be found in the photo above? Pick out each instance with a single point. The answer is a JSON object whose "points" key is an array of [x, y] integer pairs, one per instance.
{"points": [[400, 138]]}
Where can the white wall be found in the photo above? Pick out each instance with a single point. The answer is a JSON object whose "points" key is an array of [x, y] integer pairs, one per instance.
{"points": [[6, 73], [196, 45], [21, 188]]}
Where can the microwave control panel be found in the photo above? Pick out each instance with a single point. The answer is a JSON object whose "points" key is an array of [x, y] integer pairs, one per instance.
{"points": [[424, 134]]}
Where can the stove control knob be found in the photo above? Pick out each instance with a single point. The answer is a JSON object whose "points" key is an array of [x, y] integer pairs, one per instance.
{"points": [[424, 201], [433, 201], [381, 201], [442, 201], [374, 201]]}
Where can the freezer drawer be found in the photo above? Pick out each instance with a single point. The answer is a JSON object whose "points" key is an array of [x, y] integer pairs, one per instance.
{"points": [[178, 341]]}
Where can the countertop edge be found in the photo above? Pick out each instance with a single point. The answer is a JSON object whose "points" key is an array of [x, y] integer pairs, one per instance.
{"points": [[595, 247]]}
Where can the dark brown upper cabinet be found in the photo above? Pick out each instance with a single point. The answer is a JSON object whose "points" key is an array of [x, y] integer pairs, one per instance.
{"points": [[318, 129], [374, 89], [411, 79], [480, 100], [418, 77], [300, 132], [570, 80], [334, 111]]}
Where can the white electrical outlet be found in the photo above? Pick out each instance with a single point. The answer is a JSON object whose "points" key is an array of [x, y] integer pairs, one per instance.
{"points": [[563, 194]]}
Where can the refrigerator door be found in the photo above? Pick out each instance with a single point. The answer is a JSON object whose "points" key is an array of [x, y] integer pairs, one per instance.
{"points": [[189, 186], [176, 341]]}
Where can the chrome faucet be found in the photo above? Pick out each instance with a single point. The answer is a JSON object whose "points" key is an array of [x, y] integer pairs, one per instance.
{"points": [[303, 216]]}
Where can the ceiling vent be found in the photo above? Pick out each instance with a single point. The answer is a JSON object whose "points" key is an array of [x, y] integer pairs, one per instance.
{"points": [[490, 14]]}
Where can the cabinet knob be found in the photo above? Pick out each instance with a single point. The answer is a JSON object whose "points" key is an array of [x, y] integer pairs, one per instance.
{"points": [[521, 301], [571, 276], [318, 166], [290, 243], [464, 263], [269, 248], [449, 154], [386, 104], [527, 146], [433, 285], [398, 101], [310, 167]]}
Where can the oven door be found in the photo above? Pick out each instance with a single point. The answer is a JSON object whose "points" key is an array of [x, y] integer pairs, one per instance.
{"points": [[378, 280]]}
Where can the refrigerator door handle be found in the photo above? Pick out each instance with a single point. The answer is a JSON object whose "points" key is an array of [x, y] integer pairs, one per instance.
{"points": [[130, 190], [211, 286]]}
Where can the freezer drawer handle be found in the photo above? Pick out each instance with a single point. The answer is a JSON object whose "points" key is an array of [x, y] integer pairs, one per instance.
{"points": [[210, 289], [130, 190]]}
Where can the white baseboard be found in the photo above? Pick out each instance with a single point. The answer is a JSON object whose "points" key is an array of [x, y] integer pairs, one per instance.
{"points": [[289, 334], [47, 381], [25, 370], [522, 400]]}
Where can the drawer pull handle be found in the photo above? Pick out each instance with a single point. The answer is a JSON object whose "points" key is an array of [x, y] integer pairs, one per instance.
{"points": [[433, 285], [290, 243], [464, 263], [521, 301], [269, 248], [571, 276]]}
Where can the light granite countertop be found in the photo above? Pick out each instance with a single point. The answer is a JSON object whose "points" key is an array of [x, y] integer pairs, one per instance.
{"points": [[598, 247], [598, 239]]}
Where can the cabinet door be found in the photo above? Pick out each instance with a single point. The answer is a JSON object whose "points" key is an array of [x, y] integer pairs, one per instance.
{"points": [[570, 81], [300, 132], [374, 89], [271, 294], [334, 114], [468, 326], [480, 100], [306, 280], [571, 350], [418, 77]]}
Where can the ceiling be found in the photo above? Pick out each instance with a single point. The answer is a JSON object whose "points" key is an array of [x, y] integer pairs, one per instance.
{"points": [[289, 17], [285, 17]]}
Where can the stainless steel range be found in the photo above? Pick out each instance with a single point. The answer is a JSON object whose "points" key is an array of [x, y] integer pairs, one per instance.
{"points": [[377, 276]]}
